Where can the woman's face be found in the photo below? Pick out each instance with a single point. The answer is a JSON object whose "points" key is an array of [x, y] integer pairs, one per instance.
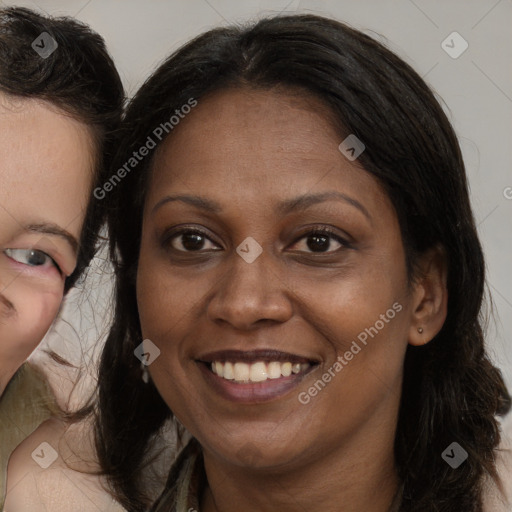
{"points": [[306, 331], [46, 167]]}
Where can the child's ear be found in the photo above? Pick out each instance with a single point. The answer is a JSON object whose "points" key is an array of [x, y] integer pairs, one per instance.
{"points": [[430, 296]]}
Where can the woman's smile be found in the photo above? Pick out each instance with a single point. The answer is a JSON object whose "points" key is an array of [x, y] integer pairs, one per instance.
{"points": [[256, 375]]}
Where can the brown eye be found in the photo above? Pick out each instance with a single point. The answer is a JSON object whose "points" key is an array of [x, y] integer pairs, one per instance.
{"points": [[189, 241], [322, 240], [319, 243]]}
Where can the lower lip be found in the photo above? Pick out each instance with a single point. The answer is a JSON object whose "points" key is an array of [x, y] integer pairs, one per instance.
{"points": [[252, 392]]}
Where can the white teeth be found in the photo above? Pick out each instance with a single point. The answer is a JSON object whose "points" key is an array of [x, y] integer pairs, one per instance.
{"points": [[256, 372], [286, 369], [219, 369], [241, 371], [274, 370], [228, 371]]}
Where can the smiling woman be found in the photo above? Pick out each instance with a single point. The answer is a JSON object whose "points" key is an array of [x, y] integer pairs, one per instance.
{"points": [[306, 229], [60, 100]]}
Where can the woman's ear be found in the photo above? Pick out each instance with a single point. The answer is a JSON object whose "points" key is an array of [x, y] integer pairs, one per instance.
{"points": [[430, 296]]}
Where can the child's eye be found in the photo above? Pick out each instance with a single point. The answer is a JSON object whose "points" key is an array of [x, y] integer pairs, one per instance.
{"points": [[31, 257]]}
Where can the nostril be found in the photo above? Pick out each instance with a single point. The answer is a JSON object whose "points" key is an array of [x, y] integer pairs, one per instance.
{"points": [[7, 307]]}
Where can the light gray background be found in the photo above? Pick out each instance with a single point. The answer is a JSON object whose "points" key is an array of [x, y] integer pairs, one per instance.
{"points": [[476, 89]]}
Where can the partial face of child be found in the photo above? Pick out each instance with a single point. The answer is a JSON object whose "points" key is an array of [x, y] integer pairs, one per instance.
{"points": [[46, 171]]}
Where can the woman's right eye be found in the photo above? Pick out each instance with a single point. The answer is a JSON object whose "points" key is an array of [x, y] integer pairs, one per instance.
{"points": [[189, 241], [30, 257]]}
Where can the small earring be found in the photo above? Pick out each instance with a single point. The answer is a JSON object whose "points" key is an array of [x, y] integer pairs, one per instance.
{"points": [[420, 329], [145, 373]]}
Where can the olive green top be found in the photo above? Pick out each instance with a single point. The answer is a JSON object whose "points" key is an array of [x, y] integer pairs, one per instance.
{"points": [[27, 402], [186, 482]]}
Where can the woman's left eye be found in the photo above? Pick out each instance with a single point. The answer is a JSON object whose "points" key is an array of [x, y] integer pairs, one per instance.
{"points": [[31, 257], [190, 240], [320, 241]]}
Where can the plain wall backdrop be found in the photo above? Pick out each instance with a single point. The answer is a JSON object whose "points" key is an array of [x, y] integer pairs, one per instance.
{"points": [[475, 87]]}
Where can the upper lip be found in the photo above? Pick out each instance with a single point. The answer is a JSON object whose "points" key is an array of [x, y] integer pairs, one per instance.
{"points": [[250, 356]]}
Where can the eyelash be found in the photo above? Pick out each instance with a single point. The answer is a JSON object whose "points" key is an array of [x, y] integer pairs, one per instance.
{"points": [[321, 230], [53, 262]]}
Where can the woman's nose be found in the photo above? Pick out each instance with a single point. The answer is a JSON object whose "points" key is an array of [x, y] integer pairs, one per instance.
{"points": [[250, 293]]}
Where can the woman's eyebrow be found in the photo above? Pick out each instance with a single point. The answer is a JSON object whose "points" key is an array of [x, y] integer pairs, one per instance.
{"points": [[197, 201], [53, 229], [287, 206], [306, 200]]}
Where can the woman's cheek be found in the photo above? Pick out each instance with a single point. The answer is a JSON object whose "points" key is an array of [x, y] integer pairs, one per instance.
{"points": [[36, 307]]}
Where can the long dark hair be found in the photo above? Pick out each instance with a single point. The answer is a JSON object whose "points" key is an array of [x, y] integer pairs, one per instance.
{"points": [[80, 78], [451, 390]]}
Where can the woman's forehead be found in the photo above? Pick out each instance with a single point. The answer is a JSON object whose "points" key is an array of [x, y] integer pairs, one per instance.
{"points": [[255, 133]]}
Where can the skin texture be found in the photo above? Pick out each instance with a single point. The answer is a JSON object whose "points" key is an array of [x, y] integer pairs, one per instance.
{"points": [[249, 150], [46, 168]]}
